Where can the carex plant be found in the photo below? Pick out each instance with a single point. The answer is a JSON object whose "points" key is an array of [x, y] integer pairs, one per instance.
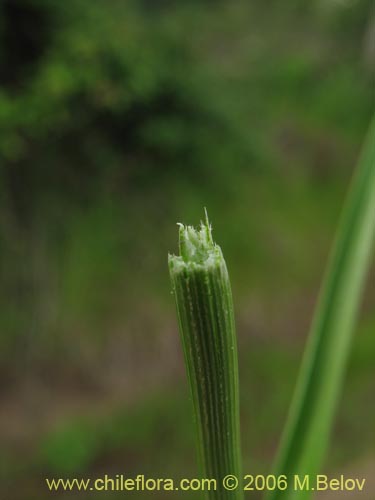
{"points": [[201, 287]]}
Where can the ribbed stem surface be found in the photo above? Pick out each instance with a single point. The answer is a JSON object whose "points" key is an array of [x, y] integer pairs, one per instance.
{"points": [[201, 287]]}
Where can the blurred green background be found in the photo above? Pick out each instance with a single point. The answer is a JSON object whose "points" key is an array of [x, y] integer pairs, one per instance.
{"points": [[119, 119]]}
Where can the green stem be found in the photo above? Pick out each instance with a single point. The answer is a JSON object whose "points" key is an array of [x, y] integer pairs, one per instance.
{"points": [[201, 287]]}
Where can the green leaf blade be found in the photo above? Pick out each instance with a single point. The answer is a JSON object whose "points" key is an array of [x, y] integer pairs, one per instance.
{"points": [[309, 423]]}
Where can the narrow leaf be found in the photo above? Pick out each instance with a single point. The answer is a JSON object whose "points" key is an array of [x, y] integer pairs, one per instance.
{"points": [[309, 423]]}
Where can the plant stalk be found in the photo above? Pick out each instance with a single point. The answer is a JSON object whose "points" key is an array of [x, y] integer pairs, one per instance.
{"points": [[202, 291]]}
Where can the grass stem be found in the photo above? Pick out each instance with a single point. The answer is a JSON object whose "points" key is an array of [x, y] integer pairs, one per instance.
{"points": [[202, 291]]}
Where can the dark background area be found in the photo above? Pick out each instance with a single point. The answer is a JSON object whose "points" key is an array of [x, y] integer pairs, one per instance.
{"points": [[119, 119]]}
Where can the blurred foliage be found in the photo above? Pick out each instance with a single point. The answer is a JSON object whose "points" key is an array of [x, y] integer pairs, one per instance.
{"points": [[107, 109], [115, 102], [119, 119], [98, 103]]}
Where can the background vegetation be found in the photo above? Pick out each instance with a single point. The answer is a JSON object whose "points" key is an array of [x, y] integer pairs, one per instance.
{"points": [[118, 119]]}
